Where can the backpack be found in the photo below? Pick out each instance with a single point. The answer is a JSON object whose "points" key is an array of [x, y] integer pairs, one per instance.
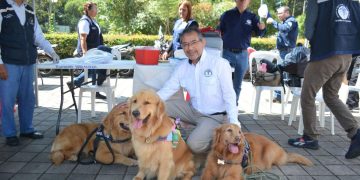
{"points": [[265, 73], [294, 65]]}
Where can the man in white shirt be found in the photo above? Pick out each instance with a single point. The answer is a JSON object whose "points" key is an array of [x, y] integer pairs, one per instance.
{"points": [[20, 33], [207, 78]]}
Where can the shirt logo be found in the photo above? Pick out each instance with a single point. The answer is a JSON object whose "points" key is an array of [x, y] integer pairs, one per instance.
{"points": [[248, 22], [342, 13], [8, 16], [31, 21], [208, 73]]}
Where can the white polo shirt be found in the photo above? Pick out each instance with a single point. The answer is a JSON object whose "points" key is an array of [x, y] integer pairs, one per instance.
{"points": [[209, 83]]}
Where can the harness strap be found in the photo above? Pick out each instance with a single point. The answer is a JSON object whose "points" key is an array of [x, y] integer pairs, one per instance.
{"points": [[100, 136]]}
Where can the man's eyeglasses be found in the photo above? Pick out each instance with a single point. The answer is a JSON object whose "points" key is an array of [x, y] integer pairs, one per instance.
{"points": [[189, 44]]}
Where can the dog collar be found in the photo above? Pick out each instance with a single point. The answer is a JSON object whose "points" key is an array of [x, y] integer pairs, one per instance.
{"points": [[173, 137], [100, 134]]}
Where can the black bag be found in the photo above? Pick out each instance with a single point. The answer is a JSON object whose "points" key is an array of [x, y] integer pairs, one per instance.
{"points": [[269, 78]]}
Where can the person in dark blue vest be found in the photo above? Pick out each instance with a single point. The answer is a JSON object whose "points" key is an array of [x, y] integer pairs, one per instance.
{"points": [[185, 21], [20, 33], [287, 35], [237, 26], [89, 36], [333, 28]]}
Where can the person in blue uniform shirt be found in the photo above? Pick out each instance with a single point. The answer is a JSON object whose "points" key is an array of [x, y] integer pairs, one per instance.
{"points": [[20, 33], [236, 27], [287, 35], [185, 21], [331, 56]]}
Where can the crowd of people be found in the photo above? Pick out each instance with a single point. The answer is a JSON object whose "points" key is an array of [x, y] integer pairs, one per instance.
{"points": [[214, 94]]}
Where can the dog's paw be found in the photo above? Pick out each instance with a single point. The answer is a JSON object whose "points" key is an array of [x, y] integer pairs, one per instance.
{"points": [[137, 178], [133, 163]]}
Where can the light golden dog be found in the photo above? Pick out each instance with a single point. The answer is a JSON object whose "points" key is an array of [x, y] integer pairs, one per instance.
{"points": [[116, 124], [226, 156], [150, 127]]}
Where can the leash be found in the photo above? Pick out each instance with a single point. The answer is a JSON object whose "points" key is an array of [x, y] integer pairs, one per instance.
{"points": [[99, 137]]}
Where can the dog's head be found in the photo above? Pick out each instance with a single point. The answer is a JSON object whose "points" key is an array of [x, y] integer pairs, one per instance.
{"points": [[147, 111], [228, 139], [117, 121]]}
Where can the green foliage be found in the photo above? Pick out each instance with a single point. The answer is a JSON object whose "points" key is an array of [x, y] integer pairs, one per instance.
{"points": [[301, 23], [67, 42]]}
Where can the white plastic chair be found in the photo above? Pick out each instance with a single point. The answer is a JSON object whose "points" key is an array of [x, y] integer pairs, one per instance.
{"points": [[258, 55], [357, 85], [106, 87], [343, 94]]}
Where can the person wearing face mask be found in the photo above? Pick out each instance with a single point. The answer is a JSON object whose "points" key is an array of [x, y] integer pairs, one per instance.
{"points": [[20, 33], [185, 21], [89, 36], [236, 27]]}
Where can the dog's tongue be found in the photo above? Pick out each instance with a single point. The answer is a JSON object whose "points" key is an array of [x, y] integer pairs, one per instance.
{"points": [[138, 124], [233, 148]]}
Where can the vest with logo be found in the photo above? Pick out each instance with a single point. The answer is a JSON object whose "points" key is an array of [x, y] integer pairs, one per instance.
{"points": [[17, 41], [337, 30], [93, 39]]}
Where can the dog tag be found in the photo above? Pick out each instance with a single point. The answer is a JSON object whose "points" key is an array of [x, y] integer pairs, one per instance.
{"points": [[147, 140], [221, 162]]}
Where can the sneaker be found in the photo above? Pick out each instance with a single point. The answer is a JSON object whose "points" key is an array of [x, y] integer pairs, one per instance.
{"points": [[32, 135], [100, 96], [12, 141], [304, 142], [354, 149]]}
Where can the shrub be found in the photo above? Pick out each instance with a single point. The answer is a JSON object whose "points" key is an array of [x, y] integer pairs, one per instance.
{"points": [[67, 42]]}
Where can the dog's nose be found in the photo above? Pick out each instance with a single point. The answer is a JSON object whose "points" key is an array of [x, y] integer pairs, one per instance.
{"points": [[136, 113], [237, 139]]}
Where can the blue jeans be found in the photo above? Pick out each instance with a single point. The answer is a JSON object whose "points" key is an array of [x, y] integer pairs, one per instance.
{"points": [[18, 87], [92, 73], [239, 61]]}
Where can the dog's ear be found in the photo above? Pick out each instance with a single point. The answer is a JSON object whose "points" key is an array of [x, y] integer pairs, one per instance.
{"points": [[217, 135], [107, 120], [161, 109]]}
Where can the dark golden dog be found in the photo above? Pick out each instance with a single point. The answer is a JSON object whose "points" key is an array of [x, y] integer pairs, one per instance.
{"points": [[226, 156], [151, 127], [68, 143]]}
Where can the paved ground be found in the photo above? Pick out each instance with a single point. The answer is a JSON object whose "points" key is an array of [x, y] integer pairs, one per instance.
{"points": [[30, 159]]}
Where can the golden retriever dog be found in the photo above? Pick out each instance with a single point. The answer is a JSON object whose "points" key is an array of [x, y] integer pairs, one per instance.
{"points": [[229, 144], [68, 143], [157, 155]]}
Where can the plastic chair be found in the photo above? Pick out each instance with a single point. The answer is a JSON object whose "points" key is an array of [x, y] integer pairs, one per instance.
{"points": [[106, 87], [357, 85], [258, 55], [343, 93]]}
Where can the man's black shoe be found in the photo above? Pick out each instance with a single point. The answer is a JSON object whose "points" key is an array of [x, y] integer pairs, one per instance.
{"points": [[304, 142], [12, 141], [354, 149], [276, 100], [100, 96], [32, 135], [70, 85]]}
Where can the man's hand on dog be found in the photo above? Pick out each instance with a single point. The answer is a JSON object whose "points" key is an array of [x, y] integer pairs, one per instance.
{"points": [[3, 72]]}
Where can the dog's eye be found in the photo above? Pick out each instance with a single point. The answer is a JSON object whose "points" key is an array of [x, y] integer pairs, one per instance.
{"points": [[134, 101], [229, 130], [146, 102]]}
